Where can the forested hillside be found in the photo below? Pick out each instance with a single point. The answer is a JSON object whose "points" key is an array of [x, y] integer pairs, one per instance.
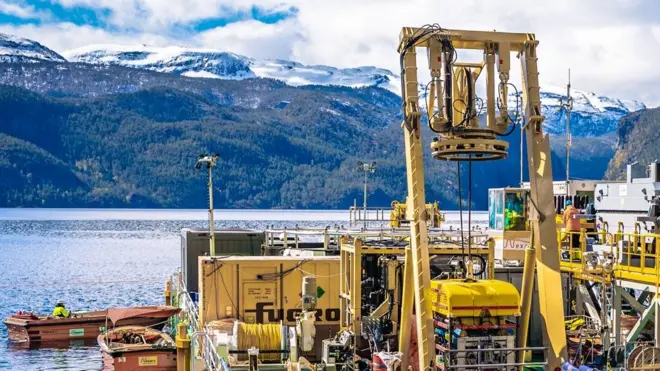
{"points": [[638, 140], [139, 149], [296, 149], [115, 132]]}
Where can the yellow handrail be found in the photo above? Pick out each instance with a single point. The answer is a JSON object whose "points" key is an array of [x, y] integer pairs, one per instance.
{"points": [[636, 256]]}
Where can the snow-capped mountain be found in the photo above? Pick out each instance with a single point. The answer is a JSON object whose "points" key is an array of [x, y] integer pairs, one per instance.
{"points": [[592, 115], [17, 49], [217, 64]]}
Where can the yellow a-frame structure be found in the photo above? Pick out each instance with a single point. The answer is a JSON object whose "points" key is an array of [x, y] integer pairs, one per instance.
{"points": [[461, 139]]}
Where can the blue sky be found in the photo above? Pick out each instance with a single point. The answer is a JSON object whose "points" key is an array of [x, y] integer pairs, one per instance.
{"points": [[41, 12], [611, 46]]}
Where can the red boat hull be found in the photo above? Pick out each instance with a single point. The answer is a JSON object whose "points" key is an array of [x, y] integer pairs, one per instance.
{"points": [[151, 360], [131, 348], [32, 330]]}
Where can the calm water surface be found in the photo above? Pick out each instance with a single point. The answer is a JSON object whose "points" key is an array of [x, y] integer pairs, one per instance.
{"points": [[95, 259]]}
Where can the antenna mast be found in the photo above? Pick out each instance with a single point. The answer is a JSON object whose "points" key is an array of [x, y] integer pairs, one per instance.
{"points": [[569, 107], [209, 162]]}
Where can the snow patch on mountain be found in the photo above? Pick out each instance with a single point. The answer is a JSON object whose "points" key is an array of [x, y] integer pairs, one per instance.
{"points": [[216, 64], [591, 114], [206, 63], [171, 59], [18, 49], [202, 74], [587, 101]]}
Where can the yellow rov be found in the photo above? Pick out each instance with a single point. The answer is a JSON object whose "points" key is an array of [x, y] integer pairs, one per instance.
{"points": [[468, 312]]}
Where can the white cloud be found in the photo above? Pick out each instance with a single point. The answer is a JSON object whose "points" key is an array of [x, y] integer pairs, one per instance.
{"points": [[610, 46], [255, 39], [154, 15], [18, 10], [65, 36]]}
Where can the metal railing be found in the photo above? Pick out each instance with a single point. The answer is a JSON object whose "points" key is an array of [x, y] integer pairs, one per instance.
{"points": [[358, 214], [201, 343], [629, 256], [620, 357], [276, 240], [644, 356], [329, 237], [578, 252], [637, 253], [479, 363]]}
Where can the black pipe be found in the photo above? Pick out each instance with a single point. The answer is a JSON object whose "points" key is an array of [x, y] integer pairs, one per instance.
{"points": [[447, 60], [470, 98]]}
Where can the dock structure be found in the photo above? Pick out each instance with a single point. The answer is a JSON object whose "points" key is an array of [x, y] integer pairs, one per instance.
{"points": [[610, 286]]}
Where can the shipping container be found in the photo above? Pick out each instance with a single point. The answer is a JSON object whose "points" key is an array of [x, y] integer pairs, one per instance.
{"points": [[267, 289]]}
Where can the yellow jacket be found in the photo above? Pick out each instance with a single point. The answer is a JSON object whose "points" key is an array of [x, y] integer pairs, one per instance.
{"points": [[60, 312]]}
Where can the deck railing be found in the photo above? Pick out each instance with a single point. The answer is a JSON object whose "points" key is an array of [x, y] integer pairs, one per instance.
{"points": [[201, 343], [630, 256]]}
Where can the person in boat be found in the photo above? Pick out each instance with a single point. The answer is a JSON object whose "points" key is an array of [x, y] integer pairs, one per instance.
{"points": [[60, 310]]}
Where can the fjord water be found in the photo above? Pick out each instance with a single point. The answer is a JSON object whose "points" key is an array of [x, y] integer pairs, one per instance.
{"points": [[95, 259]]}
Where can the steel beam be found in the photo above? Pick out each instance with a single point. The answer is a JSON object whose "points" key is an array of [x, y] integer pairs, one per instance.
{"points": [[589, 304], [463, 39], [543, 222], [641, 323], [636, 305], [616, 313]]}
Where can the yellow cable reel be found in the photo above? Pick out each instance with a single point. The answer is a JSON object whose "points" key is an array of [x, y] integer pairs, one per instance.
{"points": [[260, 336]]}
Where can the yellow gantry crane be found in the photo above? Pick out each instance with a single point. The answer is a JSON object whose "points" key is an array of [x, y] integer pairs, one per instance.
{"points": [[453, 116]]}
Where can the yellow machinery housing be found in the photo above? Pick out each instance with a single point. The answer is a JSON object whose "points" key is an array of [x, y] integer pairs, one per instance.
{"points": [[475, 299], [472, 323], [398, 215]]}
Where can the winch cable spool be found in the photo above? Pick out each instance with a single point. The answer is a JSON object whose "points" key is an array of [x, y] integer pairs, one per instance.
{"points": [[465, 141], [265, 337]]}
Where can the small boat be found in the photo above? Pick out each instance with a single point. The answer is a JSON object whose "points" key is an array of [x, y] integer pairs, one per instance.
{"points": [[137, 348], [31, 328]]}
